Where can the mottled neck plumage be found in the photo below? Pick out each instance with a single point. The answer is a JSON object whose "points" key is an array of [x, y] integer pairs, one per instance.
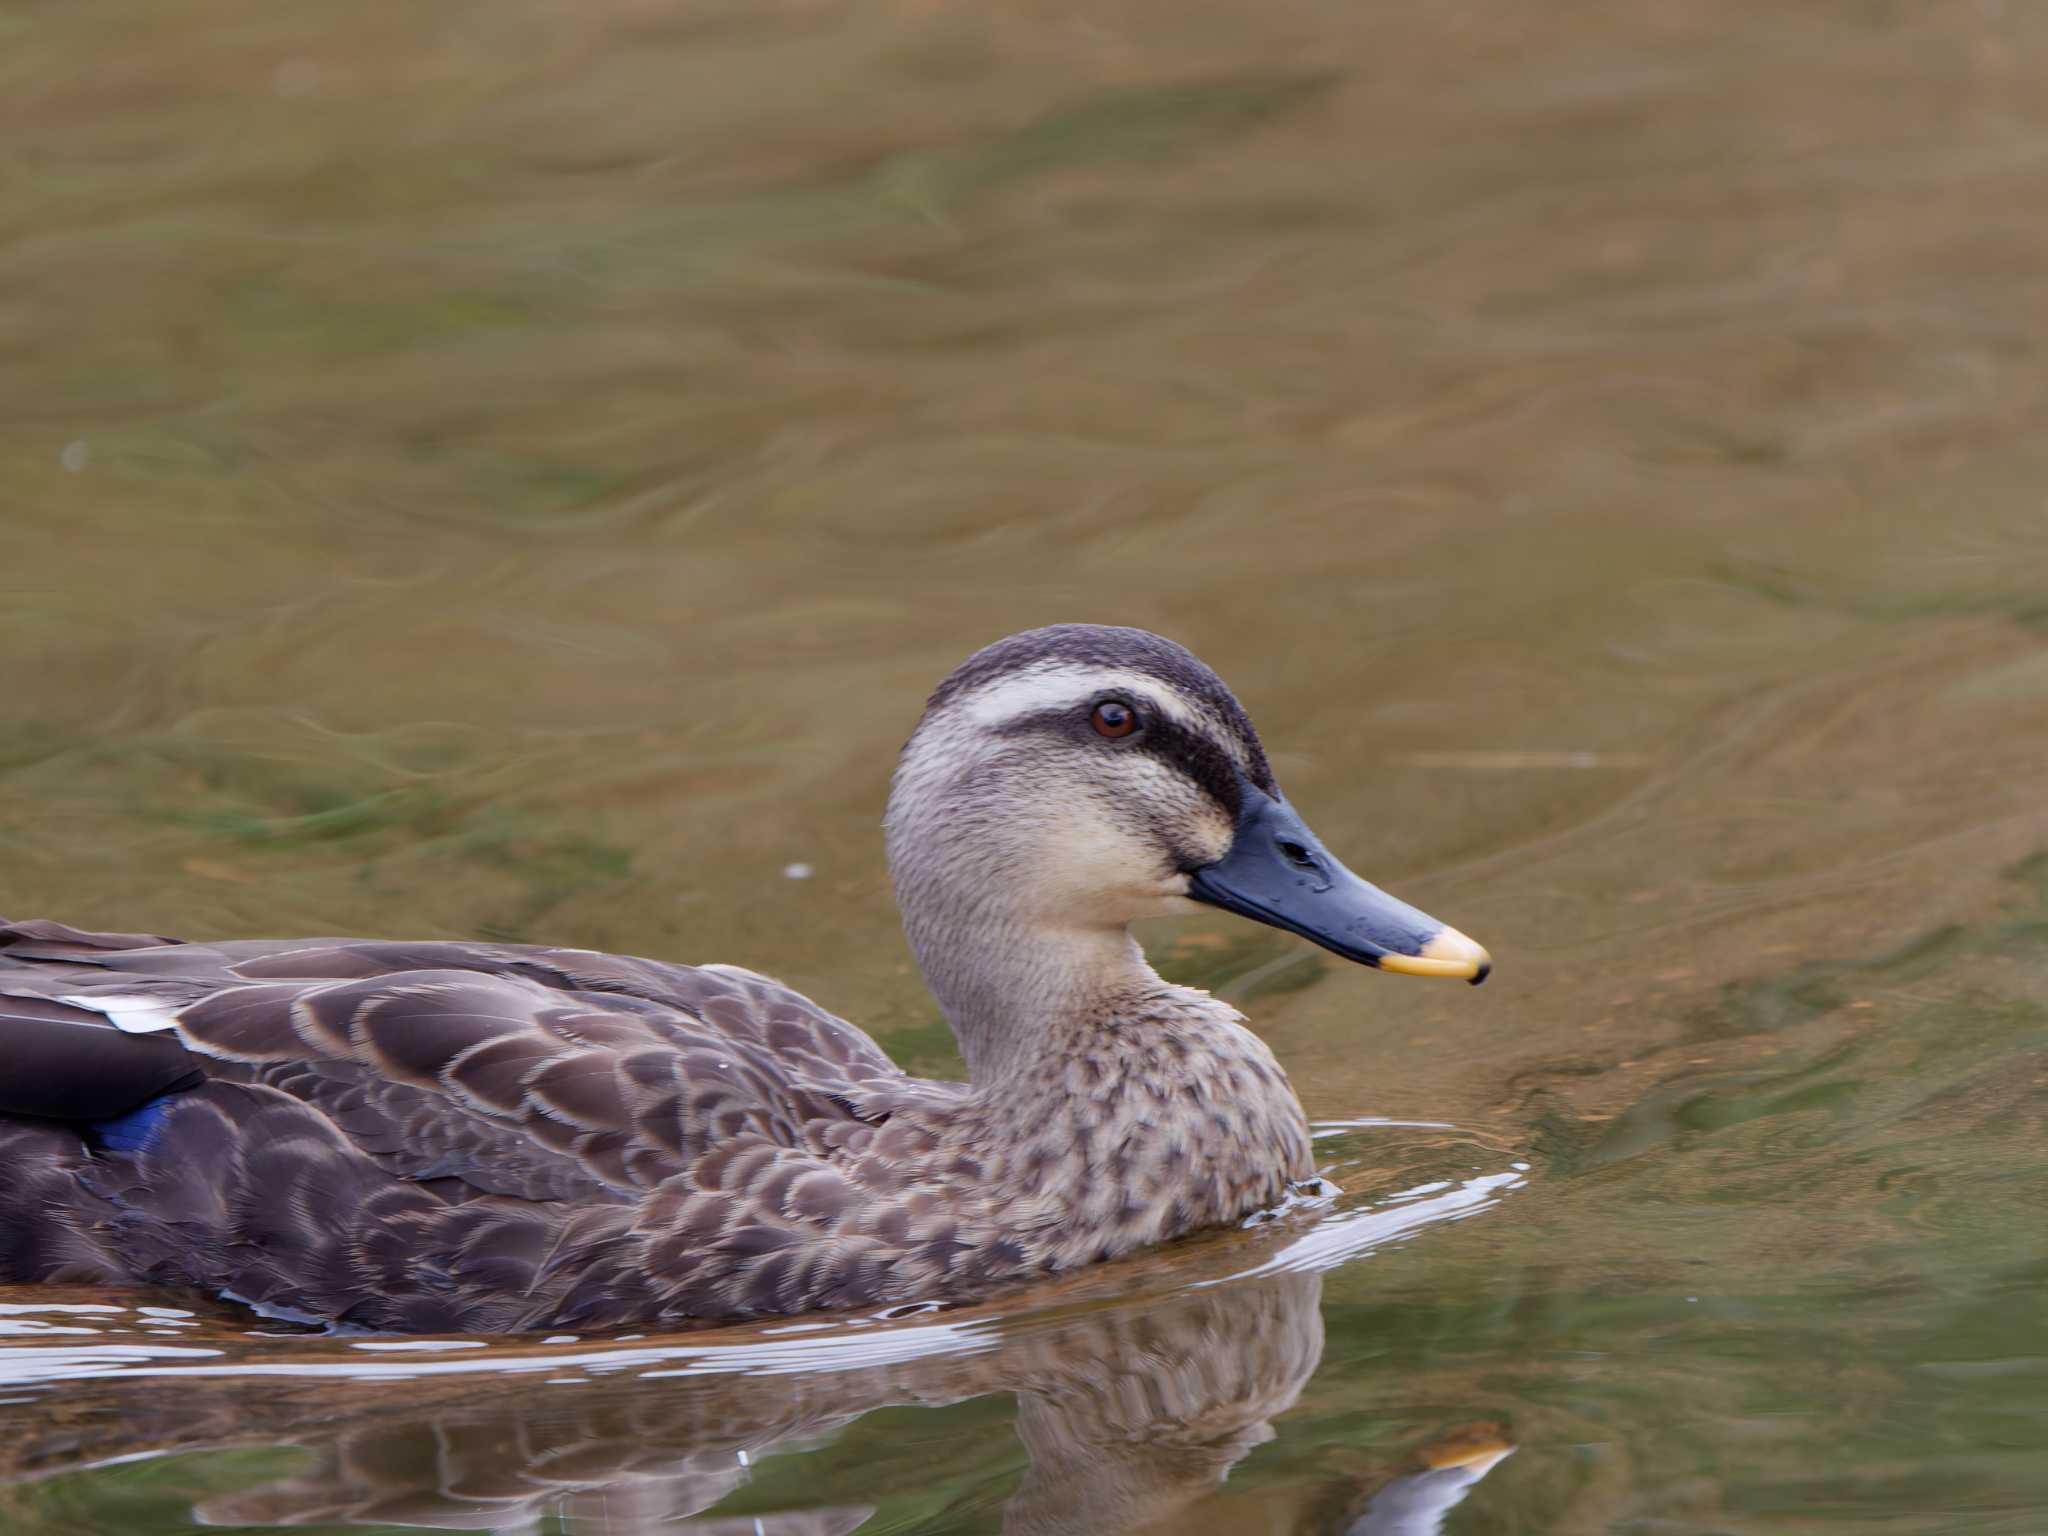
{"points": [[1110, 1108], [1162, 1116]]}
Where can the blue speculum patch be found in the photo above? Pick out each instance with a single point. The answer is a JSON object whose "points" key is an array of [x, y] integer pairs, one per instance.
{"points": [[133, 1131]]}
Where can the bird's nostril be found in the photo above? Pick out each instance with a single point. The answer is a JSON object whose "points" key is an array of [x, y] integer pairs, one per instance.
{"points": [[1294, 853]]}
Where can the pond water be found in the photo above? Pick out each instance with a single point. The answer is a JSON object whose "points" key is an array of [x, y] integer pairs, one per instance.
{"points": [[515, 469]]}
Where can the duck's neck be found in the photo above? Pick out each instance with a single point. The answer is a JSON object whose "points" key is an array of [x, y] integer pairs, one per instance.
{"points": [[1013, 992], [1110, 1108]]}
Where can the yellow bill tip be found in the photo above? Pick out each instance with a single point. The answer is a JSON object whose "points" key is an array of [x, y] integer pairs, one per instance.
{"points": [[1450, 953]]}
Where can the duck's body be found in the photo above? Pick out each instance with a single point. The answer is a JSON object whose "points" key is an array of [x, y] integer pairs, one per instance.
{"points": [[465, 1136], [469, 1136]]}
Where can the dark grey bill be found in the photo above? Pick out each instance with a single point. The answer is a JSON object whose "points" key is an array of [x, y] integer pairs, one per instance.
{"points": [[1278, 872]]}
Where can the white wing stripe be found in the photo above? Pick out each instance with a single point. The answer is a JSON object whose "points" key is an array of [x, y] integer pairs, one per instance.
{"points": [[134, 1015]]}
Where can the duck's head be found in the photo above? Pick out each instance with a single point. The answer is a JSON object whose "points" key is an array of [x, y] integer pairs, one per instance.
{"points": [[1068, 781]]}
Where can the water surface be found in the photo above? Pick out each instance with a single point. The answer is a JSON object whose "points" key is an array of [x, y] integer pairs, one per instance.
{"points": [[515, 470]]}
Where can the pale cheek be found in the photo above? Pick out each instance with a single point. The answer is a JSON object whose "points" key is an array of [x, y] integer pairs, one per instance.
{"points": [[1139, 891], [1171, 899], [1082, 867], [1210, 842]]}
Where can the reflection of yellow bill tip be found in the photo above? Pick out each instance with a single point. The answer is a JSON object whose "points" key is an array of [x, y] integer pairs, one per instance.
{"points": [[1450, 953], [1479, 1459], [1477, 1446]]}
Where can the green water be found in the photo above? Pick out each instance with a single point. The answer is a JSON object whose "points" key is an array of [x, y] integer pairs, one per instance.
{"points": [[515, 469]]}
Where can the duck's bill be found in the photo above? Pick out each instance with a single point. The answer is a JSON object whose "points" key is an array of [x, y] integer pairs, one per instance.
{"points": [[1277, 872]]}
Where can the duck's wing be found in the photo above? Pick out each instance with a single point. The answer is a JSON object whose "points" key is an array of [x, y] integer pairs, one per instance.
{"points": [[546, 1074]]}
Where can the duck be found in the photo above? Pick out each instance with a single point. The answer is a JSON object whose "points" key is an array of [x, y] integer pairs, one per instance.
{"points": [[447, 1136]]}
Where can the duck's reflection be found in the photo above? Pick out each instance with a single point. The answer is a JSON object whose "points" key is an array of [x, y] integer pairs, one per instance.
{"points": [[1127, 1415], [1130, 1412]]}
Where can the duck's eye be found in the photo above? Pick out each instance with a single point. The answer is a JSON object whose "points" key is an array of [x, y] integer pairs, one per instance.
{"points": [[1113, 719]]}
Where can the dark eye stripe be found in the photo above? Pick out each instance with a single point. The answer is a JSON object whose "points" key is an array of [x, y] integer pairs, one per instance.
{"points": [[1192, 753], [1199, 758]]}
